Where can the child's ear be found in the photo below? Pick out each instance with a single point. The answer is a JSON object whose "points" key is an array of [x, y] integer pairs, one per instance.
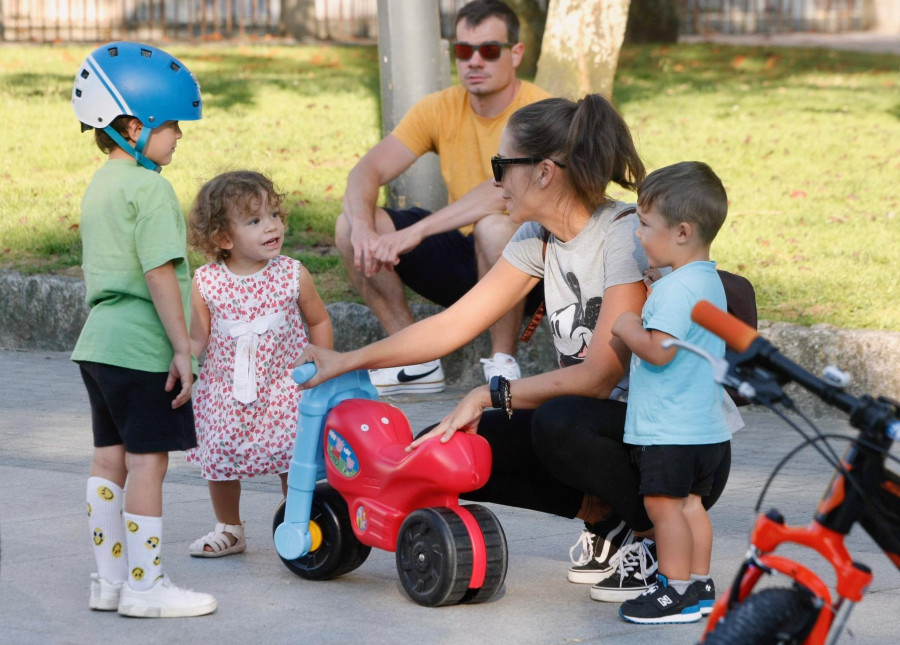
{"points": [[685, 232], [223, 241], [133, 130]]}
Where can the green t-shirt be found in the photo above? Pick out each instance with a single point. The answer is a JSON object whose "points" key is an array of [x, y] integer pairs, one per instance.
{"points": [[131, 222]]}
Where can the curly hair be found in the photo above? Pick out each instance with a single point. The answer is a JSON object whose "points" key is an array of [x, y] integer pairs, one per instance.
{"points": [[219, 198]]}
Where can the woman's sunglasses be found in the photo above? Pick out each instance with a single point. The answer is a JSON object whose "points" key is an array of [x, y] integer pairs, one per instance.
{"points": [[490, 50], [497, 164]]}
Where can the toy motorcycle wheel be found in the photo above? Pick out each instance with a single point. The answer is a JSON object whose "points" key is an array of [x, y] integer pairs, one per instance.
{"points": [[339, 551], [497, 555], [434, 557]]}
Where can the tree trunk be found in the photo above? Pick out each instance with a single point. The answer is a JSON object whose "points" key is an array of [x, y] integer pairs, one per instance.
{"points": [[580, 49], [531, 29]]}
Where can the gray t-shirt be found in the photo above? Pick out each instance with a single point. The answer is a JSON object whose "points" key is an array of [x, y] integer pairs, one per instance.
{"points": [[576, 273]]}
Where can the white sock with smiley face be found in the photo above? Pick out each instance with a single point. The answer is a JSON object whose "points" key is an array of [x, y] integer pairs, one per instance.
{"points": [[144, 535], [104, 505]]}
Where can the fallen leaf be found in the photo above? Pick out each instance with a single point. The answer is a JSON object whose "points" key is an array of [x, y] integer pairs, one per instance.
{"points": [[798, 193]]}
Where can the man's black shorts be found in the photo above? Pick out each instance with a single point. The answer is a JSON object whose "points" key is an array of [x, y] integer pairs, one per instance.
{"points": [[678, 471], [131, 408], [443, 267]]}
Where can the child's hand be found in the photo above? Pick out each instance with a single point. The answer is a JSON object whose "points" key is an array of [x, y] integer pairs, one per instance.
{"points": [[180, 370], [626, 320], [650, 276]]}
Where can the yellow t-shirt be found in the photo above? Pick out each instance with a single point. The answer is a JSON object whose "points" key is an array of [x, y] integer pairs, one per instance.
{"points": [[444, 123]]}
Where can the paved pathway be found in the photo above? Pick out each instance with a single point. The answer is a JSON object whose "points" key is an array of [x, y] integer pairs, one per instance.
{"points": [[46, 563]]}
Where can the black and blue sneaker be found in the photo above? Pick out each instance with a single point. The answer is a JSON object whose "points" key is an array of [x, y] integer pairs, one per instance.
{"points": [[662, 604], [706, 595]]}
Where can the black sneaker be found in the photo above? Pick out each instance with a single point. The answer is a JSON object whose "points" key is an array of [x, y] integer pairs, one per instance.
{"points": [[599, 542], [706, 595], [635, 570], [662, 604]]}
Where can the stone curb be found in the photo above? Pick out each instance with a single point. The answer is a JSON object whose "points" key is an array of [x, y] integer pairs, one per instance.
{"points": [[46, 312]]}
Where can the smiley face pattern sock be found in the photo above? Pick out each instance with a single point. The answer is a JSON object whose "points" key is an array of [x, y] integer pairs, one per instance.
{"points": [[104, 506], [144, 537]]}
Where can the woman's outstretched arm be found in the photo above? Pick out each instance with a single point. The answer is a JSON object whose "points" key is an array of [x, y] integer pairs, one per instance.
{"points": [[435, 336]]}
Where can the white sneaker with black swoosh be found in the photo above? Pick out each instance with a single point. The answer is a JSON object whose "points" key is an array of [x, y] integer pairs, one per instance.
{"points": [[415, 379]]}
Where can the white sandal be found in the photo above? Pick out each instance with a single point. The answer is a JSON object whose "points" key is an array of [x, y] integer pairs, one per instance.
{"points": [[219, 542]]}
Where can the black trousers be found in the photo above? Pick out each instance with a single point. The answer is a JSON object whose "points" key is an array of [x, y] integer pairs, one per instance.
{"points": [[547, 459]]}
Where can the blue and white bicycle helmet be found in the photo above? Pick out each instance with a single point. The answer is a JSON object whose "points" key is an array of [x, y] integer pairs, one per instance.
{"points": [[135, 80]]}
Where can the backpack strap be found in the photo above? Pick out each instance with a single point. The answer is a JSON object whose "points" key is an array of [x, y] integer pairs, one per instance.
{"points": [[541, 311]]}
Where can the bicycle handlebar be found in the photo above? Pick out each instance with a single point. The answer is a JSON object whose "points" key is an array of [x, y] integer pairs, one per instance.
{"points": [[736, 334], [753, 349]]}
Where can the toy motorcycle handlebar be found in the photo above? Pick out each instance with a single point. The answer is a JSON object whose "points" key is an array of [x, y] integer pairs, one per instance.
{"points": [[758, 362], [302, 373]]}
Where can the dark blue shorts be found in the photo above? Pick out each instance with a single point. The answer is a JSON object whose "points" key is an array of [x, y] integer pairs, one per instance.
{"points": [[132, 408], [678, 471], [443, 267]]}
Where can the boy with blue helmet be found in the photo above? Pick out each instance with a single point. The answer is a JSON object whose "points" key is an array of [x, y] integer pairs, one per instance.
{"points": [[134, 350]]}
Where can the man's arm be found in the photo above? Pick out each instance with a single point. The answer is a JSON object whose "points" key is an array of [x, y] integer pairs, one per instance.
{"points": [[380, 165], [484, 199]]}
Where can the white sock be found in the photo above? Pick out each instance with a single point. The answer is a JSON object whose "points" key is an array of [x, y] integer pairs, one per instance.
{"points": [[694, 576], [500, 357], [680, 585], [104, 503], [144, 536]]}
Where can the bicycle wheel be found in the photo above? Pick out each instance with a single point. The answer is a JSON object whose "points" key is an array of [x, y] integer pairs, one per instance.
{"points": [[340, 551], [769, 617]]}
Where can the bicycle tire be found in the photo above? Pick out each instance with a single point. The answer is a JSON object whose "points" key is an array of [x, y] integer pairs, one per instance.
{"points": [[769, 617]]}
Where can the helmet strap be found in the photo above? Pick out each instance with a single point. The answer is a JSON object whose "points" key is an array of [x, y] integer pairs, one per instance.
{"points": [[136, 150]]}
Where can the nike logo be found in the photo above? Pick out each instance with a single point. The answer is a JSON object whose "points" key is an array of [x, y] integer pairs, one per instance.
{"points": [[403, 377]]}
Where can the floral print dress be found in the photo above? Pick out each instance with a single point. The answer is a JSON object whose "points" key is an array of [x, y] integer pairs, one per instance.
{"points": [[245, 401]]}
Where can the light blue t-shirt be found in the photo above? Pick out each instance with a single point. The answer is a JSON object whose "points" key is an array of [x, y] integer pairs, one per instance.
{"points": [[679, 403]]}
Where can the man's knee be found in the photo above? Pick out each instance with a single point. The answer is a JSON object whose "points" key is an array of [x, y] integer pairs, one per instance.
{"points": [[492, 233]]}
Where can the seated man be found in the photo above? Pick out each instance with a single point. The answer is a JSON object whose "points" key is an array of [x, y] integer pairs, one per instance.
{"points": [[441, 255]]}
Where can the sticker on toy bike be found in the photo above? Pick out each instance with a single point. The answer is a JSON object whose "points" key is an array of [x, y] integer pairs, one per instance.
{"points": [[341, 455]]}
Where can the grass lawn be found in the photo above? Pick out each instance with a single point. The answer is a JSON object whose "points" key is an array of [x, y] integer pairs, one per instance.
{"points": [[806, 141]]}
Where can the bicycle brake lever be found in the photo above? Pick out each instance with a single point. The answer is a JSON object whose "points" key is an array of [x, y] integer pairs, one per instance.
{"points": [[719, 365]]}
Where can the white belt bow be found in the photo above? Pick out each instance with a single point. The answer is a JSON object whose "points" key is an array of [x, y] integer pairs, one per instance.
{"points": [[247, 333]]}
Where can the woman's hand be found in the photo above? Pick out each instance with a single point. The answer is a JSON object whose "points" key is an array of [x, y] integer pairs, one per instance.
{"points": [[328, 364], [465, 416]]}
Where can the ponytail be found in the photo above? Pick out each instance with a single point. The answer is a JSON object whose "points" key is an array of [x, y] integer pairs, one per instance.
{"points": [[589, 136]]}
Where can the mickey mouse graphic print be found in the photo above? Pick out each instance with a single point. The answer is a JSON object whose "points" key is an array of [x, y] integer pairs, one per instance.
{"points": [[577, 272]]}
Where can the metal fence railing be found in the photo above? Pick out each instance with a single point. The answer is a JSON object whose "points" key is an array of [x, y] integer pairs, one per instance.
{"points": [[773, 16], [342, 20]]}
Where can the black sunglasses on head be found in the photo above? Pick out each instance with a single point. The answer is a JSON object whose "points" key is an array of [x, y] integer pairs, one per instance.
{"points": [[489, 50], [498, 162]]}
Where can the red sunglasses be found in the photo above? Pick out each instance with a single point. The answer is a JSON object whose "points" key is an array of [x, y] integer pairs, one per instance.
{"points": [[490, 50]]}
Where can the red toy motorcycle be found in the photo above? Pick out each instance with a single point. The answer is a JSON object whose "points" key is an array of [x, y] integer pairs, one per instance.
{"points": [[377, 494]]}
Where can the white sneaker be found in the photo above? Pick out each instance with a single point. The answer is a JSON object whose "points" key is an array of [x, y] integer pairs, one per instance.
{"points": [[104, 594], [421, 378], [165, 600], [501, 364]]}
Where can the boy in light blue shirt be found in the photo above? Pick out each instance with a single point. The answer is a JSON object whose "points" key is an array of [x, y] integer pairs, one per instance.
{"points": [[675, 420]]}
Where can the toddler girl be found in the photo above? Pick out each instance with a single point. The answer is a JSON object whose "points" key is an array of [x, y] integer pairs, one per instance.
{"points": [[248, 307]]}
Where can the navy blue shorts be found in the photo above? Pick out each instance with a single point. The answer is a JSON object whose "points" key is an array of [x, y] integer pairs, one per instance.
{"points": [[443, 267], [678, 471], [132, 408]]}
